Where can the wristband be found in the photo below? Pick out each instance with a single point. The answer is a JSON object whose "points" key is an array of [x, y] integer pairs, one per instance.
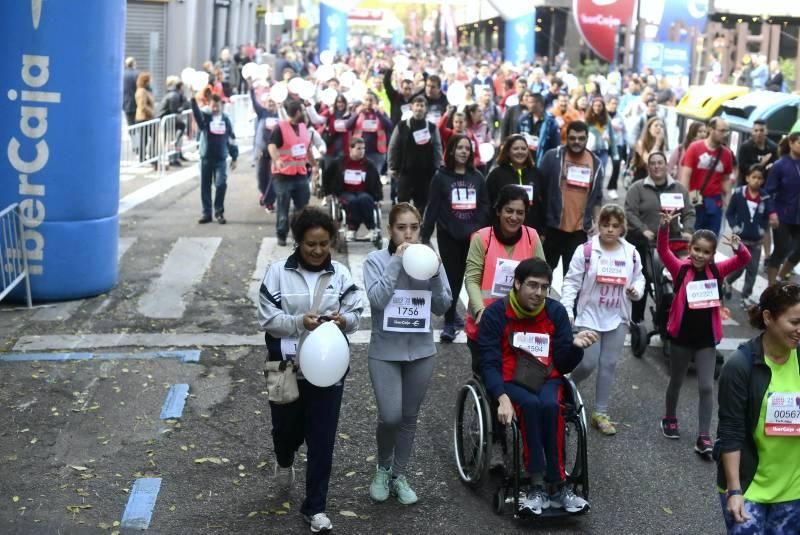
{"points": [[734, 492]]}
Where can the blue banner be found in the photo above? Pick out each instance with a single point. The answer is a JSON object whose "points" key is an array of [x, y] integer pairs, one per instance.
{"points": [[666, 58], [61, 137], [332, 28], [520, 41], [670, 30]]}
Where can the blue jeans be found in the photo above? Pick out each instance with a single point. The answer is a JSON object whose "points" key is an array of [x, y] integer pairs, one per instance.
{"points": [[218, 170], [312, 419], [542, 428], [709, 215], [765, 518], [359, 206], [289, 188]]}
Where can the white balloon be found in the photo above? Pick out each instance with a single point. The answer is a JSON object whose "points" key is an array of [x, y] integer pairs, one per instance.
{"points": [[328, 97], [248, 71], [279, 92], [513, 100], [420, 262], [325, 355], [199, 80], [456, 93], [450, 65], [262, 71], [325, 73], [186, 75], [307, 90], [295, 85], [486, 151], [357, 91], [401, 63], [347, 79], [326, 57]]}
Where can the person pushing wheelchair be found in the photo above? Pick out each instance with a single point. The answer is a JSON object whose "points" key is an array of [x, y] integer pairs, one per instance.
{"points": [[526, 345]]}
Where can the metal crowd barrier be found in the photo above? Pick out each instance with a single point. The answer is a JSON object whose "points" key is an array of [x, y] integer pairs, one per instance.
{"points": [[142, 145], [13, 255], [240, 111]]}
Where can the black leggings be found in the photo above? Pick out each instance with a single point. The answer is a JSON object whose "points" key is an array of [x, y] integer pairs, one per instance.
{"points": [[454, 259], [787, 245], [616, 164]]}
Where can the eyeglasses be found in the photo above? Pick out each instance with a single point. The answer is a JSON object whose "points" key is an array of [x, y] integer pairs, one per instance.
{"points": [[536, 287], [576, 138]]}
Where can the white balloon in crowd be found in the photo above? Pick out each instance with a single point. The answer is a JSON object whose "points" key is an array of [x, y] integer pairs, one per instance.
{"points": [[456, 93], [326, 57], [401, 63], [347, 79], [357, 91], [199, 80], [187, 76], [307, 90], [486, 152], [248, 71], [420, 262], [262, 72], [279, 92], [324, 355], [450, 65], [512, 100], [325, 73], [296, 85], [328, 96]]}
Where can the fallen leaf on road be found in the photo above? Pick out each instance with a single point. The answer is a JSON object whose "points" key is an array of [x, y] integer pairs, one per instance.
{"points": [[240, 467], [184, 448], [103, 525], [635, 387], [214, 460], [79, 468], [344, 436], [286, 505], [350, 514], [251, 514], [370, 458], [172, 508], [77, 508], [349, 474], [667, 510], [15, 499], [262, 464]]}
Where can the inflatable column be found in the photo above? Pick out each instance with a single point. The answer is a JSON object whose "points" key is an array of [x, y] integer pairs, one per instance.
{"points": [[62, 72]]}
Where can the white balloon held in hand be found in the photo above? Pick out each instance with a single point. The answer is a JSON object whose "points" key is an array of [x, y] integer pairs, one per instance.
{"points": [[420, 262], [324, 355]]}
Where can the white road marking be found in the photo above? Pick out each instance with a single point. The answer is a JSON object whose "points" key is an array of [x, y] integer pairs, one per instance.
{"points": [[267, 253], [355, 259], [184, 267]]}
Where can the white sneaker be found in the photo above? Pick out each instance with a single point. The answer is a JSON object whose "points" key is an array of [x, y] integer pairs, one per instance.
{"points": [[284, 478], [567, 499], [350, 235], [534, 502], [370, 235], [318, 522], [613, 195]]}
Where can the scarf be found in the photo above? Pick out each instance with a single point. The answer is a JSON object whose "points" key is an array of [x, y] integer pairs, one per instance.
{"points": [[520, 312]]}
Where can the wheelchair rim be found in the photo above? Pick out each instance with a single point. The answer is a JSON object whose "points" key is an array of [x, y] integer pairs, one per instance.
{"points": [[468, 391]]}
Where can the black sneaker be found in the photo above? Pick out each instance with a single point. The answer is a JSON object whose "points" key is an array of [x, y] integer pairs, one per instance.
{"points": [[703, 446], [221, 218], [669, 426], [282, 242], [448, 334], [205, 219]]}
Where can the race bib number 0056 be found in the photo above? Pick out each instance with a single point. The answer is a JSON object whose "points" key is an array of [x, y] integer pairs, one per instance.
{"points": [[783, 414]]}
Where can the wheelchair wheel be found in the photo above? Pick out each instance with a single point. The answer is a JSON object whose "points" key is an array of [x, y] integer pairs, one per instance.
{"points": [[499, 500], [639, 339], [574, 450], [471, 433]]}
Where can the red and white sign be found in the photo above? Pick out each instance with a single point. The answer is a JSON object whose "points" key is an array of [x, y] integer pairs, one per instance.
{"points": [[598, 21]]}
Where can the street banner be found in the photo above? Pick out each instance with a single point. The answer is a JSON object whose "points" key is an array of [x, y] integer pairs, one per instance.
{"points": [[598, 21], [63, 107], [333, 25], [520, 38], [669, 32]]}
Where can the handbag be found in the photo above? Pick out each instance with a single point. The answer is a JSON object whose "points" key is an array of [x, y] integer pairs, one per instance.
{"points": [[696, 195], [530, 372], [281, 375]]}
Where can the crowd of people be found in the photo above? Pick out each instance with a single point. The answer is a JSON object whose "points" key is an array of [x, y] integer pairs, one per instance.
{"points": [[515, 169]]}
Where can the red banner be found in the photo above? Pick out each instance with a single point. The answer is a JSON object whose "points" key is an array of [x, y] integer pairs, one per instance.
{"points": [[598, 21]]}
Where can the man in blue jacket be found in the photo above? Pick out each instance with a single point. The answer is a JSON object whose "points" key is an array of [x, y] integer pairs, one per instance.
{"points": [[538, 126], [217, 140], [529, 325]]}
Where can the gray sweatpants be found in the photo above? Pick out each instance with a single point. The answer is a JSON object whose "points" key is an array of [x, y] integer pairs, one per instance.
{"points": [[602, 356], [704, 362], [399, 389]]}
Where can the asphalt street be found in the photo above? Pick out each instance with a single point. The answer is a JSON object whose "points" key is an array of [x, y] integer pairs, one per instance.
{"points": [[76, 435]]}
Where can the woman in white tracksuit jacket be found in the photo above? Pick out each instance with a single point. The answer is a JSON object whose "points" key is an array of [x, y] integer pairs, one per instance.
{"points": [[605, 275]]}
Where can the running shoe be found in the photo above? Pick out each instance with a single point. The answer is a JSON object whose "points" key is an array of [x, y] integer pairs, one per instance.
{"points": [[284, 478], [748, 302], [703, 446], [448, 334], [534, 502], [350, 235], [318, 522], [379, 488], [669, 426], [458, 322], [400, 488], [613, 195], [205, 219], [603, 424], [567, 500]]}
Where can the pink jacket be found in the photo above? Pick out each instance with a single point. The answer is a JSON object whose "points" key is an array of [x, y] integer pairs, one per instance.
{"points": [[673, 265]]}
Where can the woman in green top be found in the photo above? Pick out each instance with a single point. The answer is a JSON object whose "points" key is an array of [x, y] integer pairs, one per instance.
{"points": [[759, 421]]}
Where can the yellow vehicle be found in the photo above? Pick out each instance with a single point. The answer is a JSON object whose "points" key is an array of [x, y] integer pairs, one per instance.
{"points": [[702, 102]]}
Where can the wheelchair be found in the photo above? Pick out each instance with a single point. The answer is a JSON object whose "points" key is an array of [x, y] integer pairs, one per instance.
{"points": [[338, 213], [662, 292], [474, 437]]}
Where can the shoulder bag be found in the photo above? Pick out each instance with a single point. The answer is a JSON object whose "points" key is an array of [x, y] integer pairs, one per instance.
{"points": [[696, 195]]}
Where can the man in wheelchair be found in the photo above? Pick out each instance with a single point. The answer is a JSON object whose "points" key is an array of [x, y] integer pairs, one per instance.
{"points": [[355, 182], [526, 346]]}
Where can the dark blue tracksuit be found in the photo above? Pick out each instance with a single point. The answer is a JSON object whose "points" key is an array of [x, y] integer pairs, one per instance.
{"points": [[214, 150], [751, 228]]}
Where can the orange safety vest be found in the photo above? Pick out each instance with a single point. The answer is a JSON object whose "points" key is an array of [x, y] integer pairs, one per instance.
{"points": [[295, 165], [494, 250], [359, 127]]}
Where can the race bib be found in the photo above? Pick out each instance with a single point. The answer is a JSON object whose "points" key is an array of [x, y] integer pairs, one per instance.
{"points": [[671, 201], [409, 311], [433, 116], [533, 141], [354, 177], [217, 126], [405, 109], [422, 137], [537, 344], [783, 414], [702, 294], [289, 348], [529, 190], [370, 125], [612, 271], [340, 125], [299, 150], [578, 175], [271, 122], [503, 277], [463, 199]]}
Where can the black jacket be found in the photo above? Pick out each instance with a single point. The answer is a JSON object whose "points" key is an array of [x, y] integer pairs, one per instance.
{"points": [[173, 102], [129, 90], [505, 174], [333, 179], [396, 99], [744, 381], [416, 162], [457, 224]]}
